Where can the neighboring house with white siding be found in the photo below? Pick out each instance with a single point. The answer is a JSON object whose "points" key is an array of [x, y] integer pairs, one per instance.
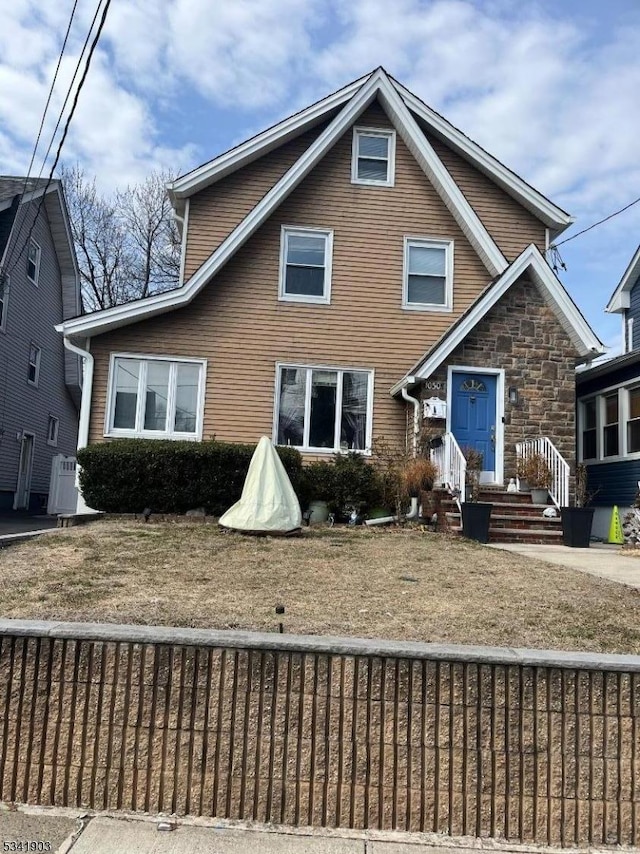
{"points": [[40, 381]]}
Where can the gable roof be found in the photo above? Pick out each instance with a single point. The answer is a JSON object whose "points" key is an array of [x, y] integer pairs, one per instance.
{"points": [[529, 261], [209, 173], [621, 296], [378, 85], [12, 199]]}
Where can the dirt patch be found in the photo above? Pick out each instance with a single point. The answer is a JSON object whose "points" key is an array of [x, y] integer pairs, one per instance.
{"points": [[407, 584]]}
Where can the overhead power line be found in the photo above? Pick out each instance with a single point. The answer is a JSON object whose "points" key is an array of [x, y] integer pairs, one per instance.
{"points": [[65, 131], [584, 230]]}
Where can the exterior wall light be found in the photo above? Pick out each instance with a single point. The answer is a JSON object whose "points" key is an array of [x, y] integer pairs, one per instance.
{"points": [[513, 395]]}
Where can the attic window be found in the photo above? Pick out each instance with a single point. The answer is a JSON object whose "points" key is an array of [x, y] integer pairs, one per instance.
{"points": [[373, 157]]}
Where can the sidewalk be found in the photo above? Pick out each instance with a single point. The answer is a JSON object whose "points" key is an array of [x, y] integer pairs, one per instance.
{"points": [[69, 831], [600, 559]]}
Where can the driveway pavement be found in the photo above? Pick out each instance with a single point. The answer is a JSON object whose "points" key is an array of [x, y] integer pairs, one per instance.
{"points": [[22, 523], [601, 559]]}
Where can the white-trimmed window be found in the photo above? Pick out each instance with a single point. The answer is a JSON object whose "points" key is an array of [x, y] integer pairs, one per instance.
{"points": [[611, 425], [33, 368], [53, 428], [428, 274], [4, 301], [155, 397], [33, 261], [633, 421], [589, 429], [305, 265], [373, 157], [324, 409]]}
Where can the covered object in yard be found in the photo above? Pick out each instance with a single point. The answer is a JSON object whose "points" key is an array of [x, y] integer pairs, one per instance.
{"points": [[268, 504]]}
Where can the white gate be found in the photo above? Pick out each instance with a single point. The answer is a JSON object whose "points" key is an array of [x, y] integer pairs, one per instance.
{"points": [[63, 494]]}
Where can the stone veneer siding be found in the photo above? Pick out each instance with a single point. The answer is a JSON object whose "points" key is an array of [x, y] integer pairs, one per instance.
{"points": [[522, 335]]}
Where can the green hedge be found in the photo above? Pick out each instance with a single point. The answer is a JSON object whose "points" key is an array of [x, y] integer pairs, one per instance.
{"points": [[127, 475]]}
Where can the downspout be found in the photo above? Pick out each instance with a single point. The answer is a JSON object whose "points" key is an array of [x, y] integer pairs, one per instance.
{"points": [[85, 410], [416, 412]]}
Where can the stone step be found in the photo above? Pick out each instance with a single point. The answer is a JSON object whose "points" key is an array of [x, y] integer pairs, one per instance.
{"points": [[516, 509], [517, 535], [519, 521]]}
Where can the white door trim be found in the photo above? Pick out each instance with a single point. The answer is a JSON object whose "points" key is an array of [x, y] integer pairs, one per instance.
{"points": [[26, 489], [499, 373]]}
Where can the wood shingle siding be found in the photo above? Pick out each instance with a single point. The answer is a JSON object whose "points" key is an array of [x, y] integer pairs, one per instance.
{"points": [[237, 323]]}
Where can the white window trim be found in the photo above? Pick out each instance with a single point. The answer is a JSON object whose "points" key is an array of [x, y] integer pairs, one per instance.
{"points": [[4, 299], [623, 418], [391, 158], [38, 258], [306, 448], [56, 421], [429, 243], [327, 235], [629, 341], [144, 358], [35, 381]]}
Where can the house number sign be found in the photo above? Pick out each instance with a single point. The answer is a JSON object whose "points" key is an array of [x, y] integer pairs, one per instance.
{"points": [[436, 385]]}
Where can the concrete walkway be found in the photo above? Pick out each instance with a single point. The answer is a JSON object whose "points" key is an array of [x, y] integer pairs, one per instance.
{"points": [[601, 559], [68, 831]]}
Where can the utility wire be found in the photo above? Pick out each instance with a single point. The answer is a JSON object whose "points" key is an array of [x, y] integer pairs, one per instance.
{"points": [[584, 230], [44, 115], [74, 104]]}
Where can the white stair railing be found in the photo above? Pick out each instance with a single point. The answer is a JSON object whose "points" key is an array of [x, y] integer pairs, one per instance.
{"points": [[559, 489], [451, 465]]}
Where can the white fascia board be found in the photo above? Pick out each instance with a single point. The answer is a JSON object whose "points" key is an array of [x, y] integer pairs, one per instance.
{"points": [[261, 144], [111, 318], [620, 298], [439, 176], [586, 341], [549, 213]]}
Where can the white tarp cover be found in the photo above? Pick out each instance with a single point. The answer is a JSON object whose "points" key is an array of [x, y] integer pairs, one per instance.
{"points": [[268, 503]]}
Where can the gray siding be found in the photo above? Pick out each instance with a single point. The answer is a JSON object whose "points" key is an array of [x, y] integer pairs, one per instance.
{"points": [[614, 483], [634, 312], [31, 314]]}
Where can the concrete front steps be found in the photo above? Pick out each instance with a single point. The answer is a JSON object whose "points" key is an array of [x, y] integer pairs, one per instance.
{"points": [[514, 518]]}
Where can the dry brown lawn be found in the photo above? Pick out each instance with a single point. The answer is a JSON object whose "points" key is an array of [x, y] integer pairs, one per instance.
{"points": [[369, 583]]}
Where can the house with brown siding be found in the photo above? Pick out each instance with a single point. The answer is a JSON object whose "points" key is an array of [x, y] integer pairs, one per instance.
{"points": [[357, 267]]}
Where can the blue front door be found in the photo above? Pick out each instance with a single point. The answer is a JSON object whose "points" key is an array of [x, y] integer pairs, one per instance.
{"points": [[473, 416]]}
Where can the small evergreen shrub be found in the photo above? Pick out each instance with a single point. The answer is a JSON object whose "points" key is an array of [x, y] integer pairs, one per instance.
{"points": [[127, 475], [347, 482]]}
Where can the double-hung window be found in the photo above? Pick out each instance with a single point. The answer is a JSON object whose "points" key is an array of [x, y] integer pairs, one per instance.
{"points": [[610, 433], [633, 421], [428, 275], [33, 261], [155, 397], [33, 368], [305, 265], [324, 409], [589, 429], [373, 157]]}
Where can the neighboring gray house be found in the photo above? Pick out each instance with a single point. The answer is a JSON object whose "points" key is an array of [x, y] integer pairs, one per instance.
{"points": [[609, 410], [40, 381]]}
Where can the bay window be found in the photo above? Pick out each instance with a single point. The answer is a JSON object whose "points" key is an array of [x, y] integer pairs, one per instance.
{"points": [[155, 397], [324, 409], [611, 446]]}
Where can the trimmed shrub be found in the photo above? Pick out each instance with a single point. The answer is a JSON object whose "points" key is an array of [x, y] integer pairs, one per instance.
{"points": [[127, 475], [347, 482]]}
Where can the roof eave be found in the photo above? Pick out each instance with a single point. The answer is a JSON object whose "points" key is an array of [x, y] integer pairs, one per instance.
{"points": [[620, 299]]}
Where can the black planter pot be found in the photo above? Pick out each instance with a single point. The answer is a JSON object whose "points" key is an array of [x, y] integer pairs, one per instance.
{"points": [[475, 520], [576, 526]]}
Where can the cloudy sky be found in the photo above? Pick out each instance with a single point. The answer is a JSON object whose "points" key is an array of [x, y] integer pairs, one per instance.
{"points": [[551, 87]]}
